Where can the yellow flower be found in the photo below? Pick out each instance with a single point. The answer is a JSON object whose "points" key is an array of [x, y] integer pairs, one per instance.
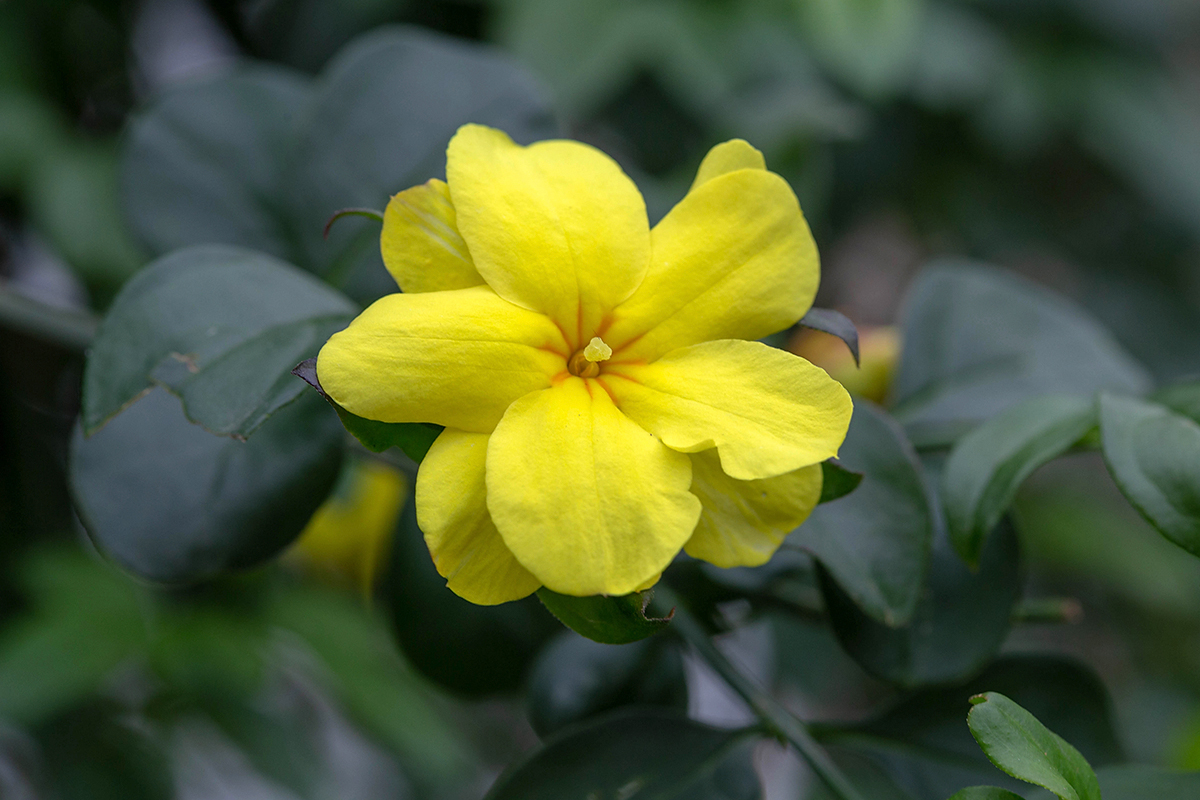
{"points": [[605, 404], [348, 539]]}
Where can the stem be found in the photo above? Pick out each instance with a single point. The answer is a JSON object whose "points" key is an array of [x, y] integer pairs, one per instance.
{"points": [[777, 718], [71, 329]]}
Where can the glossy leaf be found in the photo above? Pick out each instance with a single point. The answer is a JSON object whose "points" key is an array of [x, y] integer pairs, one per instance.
{"points": [[978, 340], [834, 323], [473, 651], [219, 326], [634, 755], [575, 678], [1154, 457], [989, 464], [226, 504], [1023, 747], [960, 620], [414, 438], [608, 620], [875, 542], [837, 481]]}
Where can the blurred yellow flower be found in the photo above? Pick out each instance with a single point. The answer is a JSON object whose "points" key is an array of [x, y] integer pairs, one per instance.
{"points": [[879, 352], [348, 540], [605, 404]]}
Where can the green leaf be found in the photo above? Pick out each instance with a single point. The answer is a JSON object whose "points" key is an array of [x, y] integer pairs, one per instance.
{"points": [[1142, 782], [414, 438], [960, 621], [226, 504], [875, 542], [633, 755], [837, 481], [219, 326], [989, 464], [1182, 398], [263, 157], [923, 743], [608, 620], [471, 650], [985, 793], [380, 123], [978, 340], [206, 162], [1154, 457], [575, 678], [834, 323], [1018, 744], [373, 683]]}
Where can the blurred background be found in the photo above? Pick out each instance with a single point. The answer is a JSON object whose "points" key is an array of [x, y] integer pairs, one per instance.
{"points": [[1058, 138]]}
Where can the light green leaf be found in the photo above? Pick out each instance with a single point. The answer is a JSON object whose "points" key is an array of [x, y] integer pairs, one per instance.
{"points": [[1018, 744], [1154, 457], [989, 464], [221, 327], [985, 793]]}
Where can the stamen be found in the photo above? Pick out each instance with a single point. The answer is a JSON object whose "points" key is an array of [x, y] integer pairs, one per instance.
{"points": [[597, 350], [586, 362]]}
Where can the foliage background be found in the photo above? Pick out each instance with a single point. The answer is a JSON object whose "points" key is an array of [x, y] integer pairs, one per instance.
{"points": [[1060, 139]]}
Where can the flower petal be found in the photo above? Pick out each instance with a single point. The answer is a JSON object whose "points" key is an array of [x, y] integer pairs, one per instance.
{"points": [[452, 513], [734, 260], [455, 358], [555, 227], [586, 500], [728, 157], [743, 523], [421, 245], [765, 410]]}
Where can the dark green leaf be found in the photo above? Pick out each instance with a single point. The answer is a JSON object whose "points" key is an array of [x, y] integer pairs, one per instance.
{"points": [[924, 743], [988, 465], [1182, 398], [633, 755], [608, 620], [978, 340], [1016, 742], [960, 621], [1141, 782], [471, 650], [381, 119], [414, 438], [1154, 457], [575, 678], [206, 162], [834, 323], [985, 793], [837, 481], [875, 542], [219, 326], [171, 502]]}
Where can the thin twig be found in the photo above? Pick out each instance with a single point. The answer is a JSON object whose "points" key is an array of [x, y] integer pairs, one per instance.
{"points": [[772, 713]]}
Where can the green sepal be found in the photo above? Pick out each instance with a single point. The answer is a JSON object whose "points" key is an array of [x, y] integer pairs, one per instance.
{"points": [[414, 438], [837, 481], [608, 620]]}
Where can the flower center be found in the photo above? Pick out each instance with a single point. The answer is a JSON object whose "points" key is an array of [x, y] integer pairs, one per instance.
{"points": [[586, 362]]}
